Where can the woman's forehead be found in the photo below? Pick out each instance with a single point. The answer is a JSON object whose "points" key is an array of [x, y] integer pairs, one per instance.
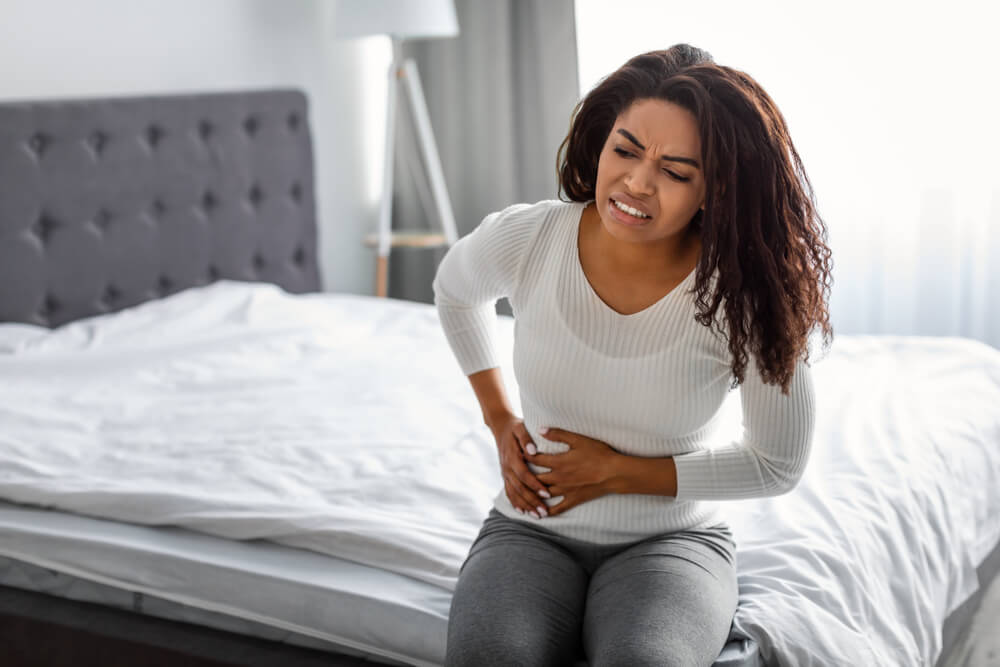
{"points": [[661, 124]]}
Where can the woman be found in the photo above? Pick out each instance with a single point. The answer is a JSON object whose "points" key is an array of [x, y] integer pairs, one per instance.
{"points": [[689, 260]]}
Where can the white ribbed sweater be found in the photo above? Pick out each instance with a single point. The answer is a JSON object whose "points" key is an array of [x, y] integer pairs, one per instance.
{"points": [[649, 384]]}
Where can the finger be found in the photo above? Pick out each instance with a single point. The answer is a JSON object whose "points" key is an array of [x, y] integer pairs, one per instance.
{"points": [[569, 500], [528, 488], [524, 440], [572, 497], [534, 490], [531, 503], [517, 496], [562, 435], [554, 434], [548, 479], [547, 460], [530, 479]]}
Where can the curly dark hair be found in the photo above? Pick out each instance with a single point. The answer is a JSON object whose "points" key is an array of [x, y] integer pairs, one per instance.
{"points": [[764, 258]]}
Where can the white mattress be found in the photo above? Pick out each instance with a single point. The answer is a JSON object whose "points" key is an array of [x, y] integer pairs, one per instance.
{"points": [[347, 607], [342, 425]]}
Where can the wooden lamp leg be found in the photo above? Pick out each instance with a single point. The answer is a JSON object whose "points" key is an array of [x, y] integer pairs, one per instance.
{"points": [[381, 276]]}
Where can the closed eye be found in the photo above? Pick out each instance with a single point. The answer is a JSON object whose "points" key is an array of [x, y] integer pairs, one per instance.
{"points": [[628, 154]]}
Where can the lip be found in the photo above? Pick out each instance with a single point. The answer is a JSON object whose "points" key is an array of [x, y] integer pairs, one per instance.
{"points": [[631, 201], [623, 217]]}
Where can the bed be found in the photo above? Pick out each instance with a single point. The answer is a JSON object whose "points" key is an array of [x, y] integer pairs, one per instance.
{"points": [[191, 431]]}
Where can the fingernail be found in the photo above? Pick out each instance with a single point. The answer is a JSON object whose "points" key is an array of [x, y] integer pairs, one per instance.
{"points": [[544, 494], [542, 510], [519, 510], [543, 430], [531, 449], [535, 514]]}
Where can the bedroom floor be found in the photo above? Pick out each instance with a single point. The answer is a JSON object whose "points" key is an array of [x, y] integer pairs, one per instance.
{"points": [[980, 647]]}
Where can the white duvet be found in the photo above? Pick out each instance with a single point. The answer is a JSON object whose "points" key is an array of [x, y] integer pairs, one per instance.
{"points": [[342, 424]]}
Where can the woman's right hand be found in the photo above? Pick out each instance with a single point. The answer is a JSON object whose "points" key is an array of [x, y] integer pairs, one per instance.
{"points": [[523, 489]]}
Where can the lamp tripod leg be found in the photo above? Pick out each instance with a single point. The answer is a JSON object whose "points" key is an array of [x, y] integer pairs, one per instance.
{"points": [[385, 208], [429, 148]]}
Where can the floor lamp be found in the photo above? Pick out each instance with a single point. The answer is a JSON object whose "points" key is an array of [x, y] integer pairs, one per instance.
{"points": [[404, 19]]}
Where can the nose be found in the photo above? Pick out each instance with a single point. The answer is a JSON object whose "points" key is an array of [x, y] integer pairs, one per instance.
{"points": [[639, 180]]}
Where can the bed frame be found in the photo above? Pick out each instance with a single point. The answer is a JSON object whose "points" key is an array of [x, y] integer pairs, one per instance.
{"points": [[107, 203]]}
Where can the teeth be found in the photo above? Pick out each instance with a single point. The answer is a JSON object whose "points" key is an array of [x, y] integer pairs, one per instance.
{"points": [[628, 209]]}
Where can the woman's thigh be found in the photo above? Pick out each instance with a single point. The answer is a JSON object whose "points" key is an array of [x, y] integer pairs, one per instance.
{"points": [[668, 600], [519, 600]]}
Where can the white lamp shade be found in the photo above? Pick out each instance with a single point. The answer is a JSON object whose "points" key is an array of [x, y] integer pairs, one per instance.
{"points": [[407, 19]]}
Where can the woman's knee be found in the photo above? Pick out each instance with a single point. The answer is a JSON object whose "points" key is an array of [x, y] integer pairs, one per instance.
{"points": [[519, 601], [678, 654], [498, 651]]}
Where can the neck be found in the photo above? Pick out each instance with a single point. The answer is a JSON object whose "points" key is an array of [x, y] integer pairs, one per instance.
{"points": [[642, 258]]}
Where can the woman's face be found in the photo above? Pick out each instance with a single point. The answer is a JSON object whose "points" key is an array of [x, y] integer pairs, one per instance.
{"points": [[650, 166]]}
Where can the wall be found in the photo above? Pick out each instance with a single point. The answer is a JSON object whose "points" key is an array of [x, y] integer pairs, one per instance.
{"points": [[65, 48]]}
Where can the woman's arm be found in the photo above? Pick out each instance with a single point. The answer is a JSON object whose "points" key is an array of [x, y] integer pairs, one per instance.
{"points": [[474, 273], [492, 396], [479, 269], [768, 461], [636, 474], [772, 455]]}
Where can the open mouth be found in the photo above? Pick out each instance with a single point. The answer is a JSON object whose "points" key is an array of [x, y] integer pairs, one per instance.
{"points": [[634, 212]]}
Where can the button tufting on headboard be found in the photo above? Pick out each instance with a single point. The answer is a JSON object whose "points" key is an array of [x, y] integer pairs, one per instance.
{"points": [[105, 203], [255, 196], [38, 142], [208, 203], [44, 228], [49, 306], [205, 130], [111, 296], [96, 142], [157, 208], [164, 285], [102, 220], [250, 125], [154, 135]]}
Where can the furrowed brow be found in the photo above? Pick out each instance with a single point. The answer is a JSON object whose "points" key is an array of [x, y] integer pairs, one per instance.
{"points": [[669, 158]]}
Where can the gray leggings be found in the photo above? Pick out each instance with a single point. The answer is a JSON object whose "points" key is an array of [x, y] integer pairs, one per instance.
{"points": [[527, 596]]}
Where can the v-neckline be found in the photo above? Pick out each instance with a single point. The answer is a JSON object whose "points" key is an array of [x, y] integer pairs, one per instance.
{"points": [[597, 297]]}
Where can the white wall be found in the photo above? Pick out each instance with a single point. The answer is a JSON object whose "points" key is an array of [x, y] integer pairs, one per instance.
{"points": [[892, 106], [73, 48]]}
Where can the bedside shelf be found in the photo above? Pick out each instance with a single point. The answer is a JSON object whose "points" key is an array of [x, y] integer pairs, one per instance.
{"points": [[410, 240]]}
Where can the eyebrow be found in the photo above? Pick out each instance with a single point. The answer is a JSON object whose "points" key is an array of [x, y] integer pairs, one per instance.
{"points": [[670, 158]]}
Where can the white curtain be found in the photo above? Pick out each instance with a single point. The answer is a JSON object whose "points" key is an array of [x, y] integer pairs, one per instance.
{"points": [[893, 107]]}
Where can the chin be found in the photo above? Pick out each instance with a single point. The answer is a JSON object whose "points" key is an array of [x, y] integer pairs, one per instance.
{"points": [[624, 233]]}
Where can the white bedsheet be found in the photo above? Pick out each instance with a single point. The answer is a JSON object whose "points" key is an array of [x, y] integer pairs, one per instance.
{"points": [[342, 424]]}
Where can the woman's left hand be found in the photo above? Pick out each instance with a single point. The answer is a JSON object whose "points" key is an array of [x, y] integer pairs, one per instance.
{"points": [[582, 473]]}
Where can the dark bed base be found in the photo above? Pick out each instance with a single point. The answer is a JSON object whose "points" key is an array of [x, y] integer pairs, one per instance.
{"points": [[44, 631]]}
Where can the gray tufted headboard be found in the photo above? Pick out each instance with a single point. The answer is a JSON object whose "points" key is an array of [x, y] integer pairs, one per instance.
{"points": [[107, 203]]}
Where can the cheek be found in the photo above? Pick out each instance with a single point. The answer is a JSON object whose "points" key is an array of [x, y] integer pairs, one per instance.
{"points": [[606, 174]]}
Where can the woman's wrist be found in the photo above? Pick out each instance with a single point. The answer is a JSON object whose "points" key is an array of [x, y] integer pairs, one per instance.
{"points": [[642, 475], [497, 419]]}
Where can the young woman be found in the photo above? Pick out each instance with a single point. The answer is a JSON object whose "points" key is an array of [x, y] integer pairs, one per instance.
{"points": [[689, 260]]}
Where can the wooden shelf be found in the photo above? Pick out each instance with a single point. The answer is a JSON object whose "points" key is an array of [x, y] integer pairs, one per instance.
{"points": [[410, 240]]}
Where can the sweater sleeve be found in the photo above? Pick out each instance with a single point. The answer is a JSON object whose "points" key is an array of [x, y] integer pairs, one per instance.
{"points": [[771, 457], [479, 269]]}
